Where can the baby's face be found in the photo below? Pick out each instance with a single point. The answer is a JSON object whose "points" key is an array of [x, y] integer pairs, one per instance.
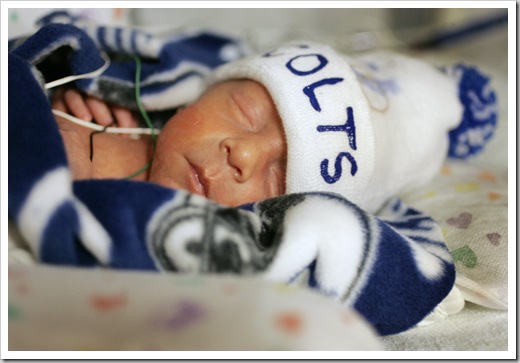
{"points": [[229, 146]]}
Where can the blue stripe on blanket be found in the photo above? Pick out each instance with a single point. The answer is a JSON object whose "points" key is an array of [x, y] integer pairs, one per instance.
{"points": [[63, 223], [398, 295], [30, 154], [101, 36], [118, 38]]}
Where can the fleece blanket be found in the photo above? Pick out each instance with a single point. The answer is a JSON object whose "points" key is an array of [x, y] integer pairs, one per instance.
{"points": [[393, 267]]}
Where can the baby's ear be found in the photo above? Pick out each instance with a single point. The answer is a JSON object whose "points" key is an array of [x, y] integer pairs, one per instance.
{"points": [[479, 117]]}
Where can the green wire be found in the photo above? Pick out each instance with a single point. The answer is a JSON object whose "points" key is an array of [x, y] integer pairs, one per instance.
{"points": [[143, 113]]}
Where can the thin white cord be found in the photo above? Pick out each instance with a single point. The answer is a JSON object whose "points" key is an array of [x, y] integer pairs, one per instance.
{"points": [[110, 130], [92, 74]]}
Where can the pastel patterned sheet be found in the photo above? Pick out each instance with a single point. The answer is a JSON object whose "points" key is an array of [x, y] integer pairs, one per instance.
{"points": [[470, 204], [57, 308]]}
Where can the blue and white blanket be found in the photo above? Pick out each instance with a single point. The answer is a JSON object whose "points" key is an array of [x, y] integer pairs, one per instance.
{"points": [[393, 268]]}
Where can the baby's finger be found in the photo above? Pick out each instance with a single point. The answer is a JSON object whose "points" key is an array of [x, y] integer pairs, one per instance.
{"points": [[100, 111], [74, 101], [57, 100], [124, 117], [59, 105]]}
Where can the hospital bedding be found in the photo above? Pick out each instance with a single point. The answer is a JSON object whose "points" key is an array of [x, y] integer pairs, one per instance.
{"points": [[115, 310], [479, 246], [470, 202]]}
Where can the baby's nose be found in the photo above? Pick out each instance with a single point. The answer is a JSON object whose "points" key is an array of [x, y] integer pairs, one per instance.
{"points": [[248, 156]]}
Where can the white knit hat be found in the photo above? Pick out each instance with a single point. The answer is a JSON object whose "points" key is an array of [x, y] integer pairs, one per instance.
{"points": [[365, 127]]}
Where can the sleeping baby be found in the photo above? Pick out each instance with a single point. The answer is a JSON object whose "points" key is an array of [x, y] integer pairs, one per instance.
{"points": [[298, 118]]}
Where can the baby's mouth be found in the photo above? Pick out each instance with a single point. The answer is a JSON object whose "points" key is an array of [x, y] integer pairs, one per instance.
{"points": [[196, 181]]}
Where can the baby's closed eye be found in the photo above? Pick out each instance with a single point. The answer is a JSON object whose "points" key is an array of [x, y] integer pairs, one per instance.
{"points": [[248, 110]]}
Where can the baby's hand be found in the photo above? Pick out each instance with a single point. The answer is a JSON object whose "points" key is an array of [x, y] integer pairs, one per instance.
{"points": [[90, 108]]}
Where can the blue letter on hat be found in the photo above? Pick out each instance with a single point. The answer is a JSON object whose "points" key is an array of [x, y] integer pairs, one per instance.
{"points": [[349, 127], [309, 90], [337, 166]]}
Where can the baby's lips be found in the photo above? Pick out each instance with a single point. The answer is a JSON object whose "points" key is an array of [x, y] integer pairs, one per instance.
{"points": [[196, 180]]}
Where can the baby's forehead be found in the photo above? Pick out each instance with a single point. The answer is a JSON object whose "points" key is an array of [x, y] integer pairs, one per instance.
{"points": [[241, 83]]}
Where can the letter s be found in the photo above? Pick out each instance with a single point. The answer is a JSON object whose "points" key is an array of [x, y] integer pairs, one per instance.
{"points": [[324, 166]]}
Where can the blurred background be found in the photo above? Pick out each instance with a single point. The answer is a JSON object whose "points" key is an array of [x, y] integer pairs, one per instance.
{"points": [[349, 30], [352, 29]]}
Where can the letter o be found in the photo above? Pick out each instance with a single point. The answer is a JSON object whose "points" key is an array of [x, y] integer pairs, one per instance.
{"points": [[321, 59]]}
